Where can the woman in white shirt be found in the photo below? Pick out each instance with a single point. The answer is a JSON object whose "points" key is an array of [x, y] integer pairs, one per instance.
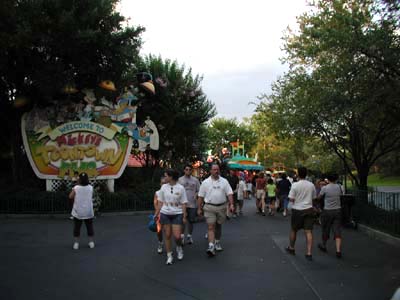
{"points": [[172, 210], [82, 210], [241, 194]]}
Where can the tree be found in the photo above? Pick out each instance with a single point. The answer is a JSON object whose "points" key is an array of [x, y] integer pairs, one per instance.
{"points": [[274, 149], [221, 132], [49, 46], [343, 84], [180, 109]]}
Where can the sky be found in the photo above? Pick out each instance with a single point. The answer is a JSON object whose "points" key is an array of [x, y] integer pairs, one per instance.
{"points": [[235, 45]]}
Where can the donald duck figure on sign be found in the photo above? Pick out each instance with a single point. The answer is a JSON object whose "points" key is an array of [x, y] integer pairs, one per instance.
{"points": [[125, 110]]}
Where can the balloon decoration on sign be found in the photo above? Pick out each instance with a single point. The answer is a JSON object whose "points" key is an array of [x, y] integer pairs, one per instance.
{"points": [[146, 82], [107, 85]]}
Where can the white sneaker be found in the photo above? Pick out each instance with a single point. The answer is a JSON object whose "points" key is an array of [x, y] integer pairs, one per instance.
{"points": [[211, 250], [218, 246], [170, 259], [91, 245], [284, 214], [189, 239], [179, 252], [160, 248], [75, 246]]}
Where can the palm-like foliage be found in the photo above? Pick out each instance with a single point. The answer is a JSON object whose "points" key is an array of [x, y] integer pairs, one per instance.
{"points": [[179, 108]]}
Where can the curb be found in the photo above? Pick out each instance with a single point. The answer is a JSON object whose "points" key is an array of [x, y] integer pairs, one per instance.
{"points": [[379, 235]]}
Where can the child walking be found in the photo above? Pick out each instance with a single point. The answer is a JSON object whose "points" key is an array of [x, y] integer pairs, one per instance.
{"points": [[271, 196]]}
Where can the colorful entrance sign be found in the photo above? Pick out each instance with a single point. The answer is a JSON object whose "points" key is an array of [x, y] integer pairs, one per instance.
{"points": [[92, 136], [82, 146]]}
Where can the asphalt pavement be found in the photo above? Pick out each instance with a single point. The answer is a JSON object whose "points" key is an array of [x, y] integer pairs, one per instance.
{"points": [[37, 262]]}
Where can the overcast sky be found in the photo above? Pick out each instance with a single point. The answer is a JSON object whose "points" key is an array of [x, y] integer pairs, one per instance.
{"points": [[234, 45]]}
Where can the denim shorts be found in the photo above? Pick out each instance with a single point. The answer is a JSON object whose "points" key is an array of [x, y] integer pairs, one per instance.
{"points": [[171, 219]]}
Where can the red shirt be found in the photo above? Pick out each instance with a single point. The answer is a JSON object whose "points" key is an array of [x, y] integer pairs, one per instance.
{"points": [[261, 183]]}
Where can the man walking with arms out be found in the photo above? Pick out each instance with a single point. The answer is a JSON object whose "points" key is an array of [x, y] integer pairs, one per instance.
{"points": [[302, 194], [191, 185], [213, 193]]}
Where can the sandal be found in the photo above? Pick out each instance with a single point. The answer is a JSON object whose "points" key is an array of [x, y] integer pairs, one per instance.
{"points": [[290, 250], [309, 257]]}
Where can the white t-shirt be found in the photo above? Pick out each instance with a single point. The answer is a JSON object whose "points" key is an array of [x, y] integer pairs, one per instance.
{"points": [[192, 186], [172, 197], [83, 202], [303, 192], [241, 189], [215, 191], [249, 186]]}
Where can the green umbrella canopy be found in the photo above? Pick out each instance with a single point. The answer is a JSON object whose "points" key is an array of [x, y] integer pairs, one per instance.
{"points": [[244, 163], [250, 167]]}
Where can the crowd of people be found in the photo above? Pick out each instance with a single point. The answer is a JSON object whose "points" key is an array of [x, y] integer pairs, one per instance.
{"points": [[217, 199], [183, 200]]}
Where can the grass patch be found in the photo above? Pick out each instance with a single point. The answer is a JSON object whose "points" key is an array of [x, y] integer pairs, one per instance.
{"points": [[379, 180]]}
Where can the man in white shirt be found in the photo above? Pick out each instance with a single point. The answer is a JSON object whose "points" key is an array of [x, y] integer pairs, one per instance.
{"points": [[302, 195], [213, 194], [192, 186]]}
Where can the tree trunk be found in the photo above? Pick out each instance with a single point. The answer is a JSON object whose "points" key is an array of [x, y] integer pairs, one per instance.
{"points": [[363, 177]]}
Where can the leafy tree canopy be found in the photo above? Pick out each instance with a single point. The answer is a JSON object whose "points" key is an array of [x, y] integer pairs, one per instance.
{"points": [[275, 151], [222, 131], [343, 85], [46, 45], [180, 109]]}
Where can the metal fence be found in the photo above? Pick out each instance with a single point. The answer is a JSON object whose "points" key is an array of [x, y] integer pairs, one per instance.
{"points": [[41, 202], [379, 210]]}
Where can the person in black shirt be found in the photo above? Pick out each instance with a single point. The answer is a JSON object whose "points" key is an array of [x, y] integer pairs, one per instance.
{"points": [[283, 188], [233, 180]]}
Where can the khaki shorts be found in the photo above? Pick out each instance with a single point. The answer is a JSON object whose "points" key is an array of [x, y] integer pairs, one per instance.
{"points": [[215, 214], [260, 194]]}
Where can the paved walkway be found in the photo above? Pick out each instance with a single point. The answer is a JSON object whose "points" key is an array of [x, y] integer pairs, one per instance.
{"points": [[37, 262]]}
